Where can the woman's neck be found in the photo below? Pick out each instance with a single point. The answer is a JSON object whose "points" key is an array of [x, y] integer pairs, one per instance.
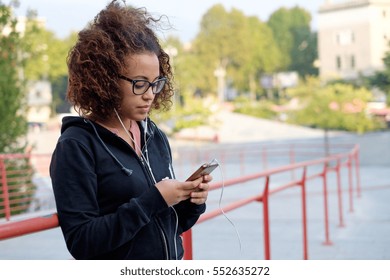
{"points": [[116, 124]]}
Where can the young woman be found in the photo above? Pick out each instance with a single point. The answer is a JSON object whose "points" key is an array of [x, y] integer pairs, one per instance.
{"points": [[112, 175]]}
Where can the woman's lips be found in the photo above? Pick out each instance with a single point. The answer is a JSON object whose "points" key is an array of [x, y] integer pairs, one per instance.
{"points": [[145, 108]]}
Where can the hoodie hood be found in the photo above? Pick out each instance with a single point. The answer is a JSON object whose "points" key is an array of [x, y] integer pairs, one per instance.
{"points": [[107, 139], [71, 121]]}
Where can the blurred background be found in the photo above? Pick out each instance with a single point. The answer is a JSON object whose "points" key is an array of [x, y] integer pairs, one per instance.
{"points": [[318, 64], [245, 71]]}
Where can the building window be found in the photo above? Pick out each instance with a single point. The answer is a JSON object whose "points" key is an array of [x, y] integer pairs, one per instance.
{"points": [[338, 62], [353, 62], [345, 37]]}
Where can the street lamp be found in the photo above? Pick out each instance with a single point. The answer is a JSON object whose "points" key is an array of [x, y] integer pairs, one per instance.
{"points": [[220, 73]]}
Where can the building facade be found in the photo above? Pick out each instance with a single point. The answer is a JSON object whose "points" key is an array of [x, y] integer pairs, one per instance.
{"points": [[39, 101], [353, 37]]}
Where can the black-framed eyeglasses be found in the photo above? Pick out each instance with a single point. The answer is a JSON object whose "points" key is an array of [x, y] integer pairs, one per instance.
{"points": [[142, 86]]}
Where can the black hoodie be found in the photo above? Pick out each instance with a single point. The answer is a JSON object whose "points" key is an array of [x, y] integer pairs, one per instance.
{"points": [[108, 206]]}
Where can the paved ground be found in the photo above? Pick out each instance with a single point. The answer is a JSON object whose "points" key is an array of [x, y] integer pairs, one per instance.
{"points": [[231, 127], [366, 234]]}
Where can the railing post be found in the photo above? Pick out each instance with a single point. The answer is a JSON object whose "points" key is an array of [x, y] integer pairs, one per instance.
{"points": [[326, 210], [304, 214], [242, 160], [267, 241], [339, 194], [292, 160], [4, 183], [357, 167], [223, 160], [187, 244], [350, 183], [264, 157]]}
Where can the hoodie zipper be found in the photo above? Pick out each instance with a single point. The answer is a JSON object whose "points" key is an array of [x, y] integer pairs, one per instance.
{"points": [[151, 177], [164, 238], [165, 243]]}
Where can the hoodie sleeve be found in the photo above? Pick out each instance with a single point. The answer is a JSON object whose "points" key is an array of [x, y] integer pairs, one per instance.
{"points": [[188, 214], [87, 233]]}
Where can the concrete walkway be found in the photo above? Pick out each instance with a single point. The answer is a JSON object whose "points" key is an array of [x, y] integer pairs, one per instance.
{"points": [[230, 127]]}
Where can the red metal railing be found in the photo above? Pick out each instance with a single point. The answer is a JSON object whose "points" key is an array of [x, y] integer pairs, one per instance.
{"points": [[17, 189], [27, 226], [333, 163], [340, 160]]}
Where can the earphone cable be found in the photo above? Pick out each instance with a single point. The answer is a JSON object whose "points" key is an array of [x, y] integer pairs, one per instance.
{"points": [[221, 209], [136, 146], [146, 159]]}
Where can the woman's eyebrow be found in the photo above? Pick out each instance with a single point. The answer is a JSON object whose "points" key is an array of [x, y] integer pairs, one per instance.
{"points": [[144, 78]]}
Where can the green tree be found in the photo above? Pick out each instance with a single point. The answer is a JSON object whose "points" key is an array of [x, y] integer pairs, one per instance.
{"points": [[188, 110], [13, 123], [45, 54], [381, 79], [304, 52], [243, 46], [260, 56], [58, 71], [291, 28], [211, 45], [45, 58], [332, 107]]}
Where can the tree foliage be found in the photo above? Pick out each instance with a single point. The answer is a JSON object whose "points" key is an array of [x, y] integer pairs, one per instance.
{"points": [[381, 79], [243, 46], [211, 46], [12, 106], [13, 124], [304, 52], [291, 28], [44, 53], [333, 107], [187, 110], [58, 73], [45, 58]]}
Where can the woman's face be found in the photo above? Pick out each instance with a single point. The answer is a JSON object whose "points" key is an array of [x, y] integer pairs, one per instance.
{"points": [[145, 67]]}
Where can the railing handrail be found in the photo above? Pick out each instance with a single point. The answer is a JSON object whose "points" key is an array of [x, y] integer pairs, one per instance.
{"points": [[32, 225], [17, 228], [276, 170], [264, 197]]}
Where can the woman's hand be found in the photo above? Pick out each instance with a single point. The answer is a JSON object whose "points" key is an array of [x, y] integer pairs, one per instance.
{"points": [[199, 196], [174, 191]]}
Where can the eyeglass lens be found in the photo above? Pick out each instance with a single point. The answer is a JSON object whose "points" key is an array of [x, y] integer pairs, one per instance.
{"points": [[141, 86]]}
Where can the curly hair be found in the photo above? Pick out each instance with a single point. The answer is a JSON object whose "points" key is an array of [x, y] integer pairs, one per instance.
{"points": [[98, 57]]}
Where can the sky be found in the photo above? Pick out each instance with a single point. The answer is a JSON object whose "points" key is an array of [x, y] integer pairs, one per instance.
{"points": [[64, 16]]}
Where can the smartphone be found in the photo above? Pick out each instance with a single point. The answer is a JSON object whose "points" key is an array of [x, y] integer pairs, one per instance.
{"points": [[204, 169]]}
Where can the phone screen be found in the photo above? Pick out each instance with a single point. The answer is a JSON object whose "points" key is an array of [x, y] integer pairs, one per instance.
{"points": [[204, 169]]}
